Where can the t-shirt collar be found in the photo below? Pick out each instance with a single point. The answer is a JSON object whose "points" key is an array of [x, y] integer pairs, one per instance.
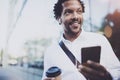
{"points": [[69, 42]]}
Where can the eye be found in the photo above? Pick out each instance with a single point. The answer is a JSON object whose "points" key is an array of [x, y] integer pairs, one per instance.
{"points": [[79, 11], [68, 12]]}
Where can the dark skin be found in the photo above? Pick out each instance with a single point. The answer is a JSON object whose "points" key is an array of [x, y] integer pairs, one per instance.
{"points": [[94, 71], [71, 20]]}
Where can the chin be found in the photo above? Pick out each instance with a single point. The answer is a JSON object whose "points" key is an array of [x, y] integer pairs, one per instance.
{"points": [[75, 32]]}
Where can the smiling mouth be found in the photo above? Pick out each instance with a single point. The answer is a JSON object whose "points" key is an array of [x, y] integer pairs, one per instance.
{"points": [[75, 24]]}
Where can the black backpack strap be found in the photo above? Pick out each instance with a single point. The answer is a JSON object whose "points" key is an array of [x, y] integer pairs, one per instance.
{"points": [[69, 53]]}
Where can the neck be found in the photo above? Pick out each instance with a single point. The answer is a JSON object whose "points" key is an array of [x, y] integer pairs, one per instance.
{"points": [[71, 37]]}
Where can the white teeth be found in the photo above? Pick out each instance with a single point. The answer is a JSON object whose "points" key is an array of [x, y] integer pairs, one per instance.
{"points": [[75, 23]]}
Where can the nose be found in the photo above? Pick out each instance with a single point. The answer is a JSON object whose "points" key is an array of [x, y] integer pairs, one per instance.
{"points": [[75, 15]]}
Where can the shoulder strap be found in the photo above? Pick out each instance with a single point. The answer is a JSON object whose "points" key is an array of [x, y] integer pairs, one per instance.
{"points": [[69, 53]]}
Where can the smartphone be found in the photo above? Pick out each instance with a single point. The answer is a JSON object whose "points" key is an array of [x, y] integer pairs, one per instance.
{"points": [[91, 53]]}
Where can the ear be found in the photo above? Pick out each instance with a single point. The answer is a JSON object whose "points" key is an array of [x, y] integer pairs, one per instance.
{"points": [[60, 21]]}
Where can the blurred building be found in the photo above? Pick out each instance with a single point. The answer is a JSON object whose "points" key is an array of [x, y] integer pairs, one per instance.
{"points": [[10, 12]]}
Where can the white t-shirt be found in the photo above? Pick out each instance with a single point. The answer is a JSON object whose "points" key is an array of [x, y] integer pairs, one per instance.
{"points": [[55, 56]]}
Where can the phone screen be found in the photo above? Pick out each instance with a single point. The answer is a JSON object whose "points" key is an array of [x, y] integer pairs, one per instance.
{"points": [[91, 53]]}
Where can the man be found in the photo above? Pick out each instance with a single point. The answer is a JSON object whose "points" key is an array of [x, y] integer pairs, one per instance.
{"points": [[69, 14]]}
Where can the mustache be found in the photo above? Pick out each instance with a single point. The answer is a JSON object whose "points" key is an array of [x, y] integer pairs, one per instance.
{"points": [[75, 21]]}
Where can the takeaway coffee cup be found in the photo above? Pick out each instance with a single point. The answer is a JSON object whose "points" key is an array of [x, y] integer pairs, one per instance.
{"points": [[54, 72]]}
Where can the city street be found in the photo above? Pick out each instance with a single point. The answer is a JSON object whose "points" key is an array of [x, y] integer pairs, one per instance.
{"points": [[25, 73]]}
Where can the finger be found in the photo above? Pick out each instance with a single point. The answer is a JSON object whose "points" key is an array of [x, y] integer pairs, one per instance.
{"points": [[90, 77], [96, 66], [90, 72], [49, 79]]}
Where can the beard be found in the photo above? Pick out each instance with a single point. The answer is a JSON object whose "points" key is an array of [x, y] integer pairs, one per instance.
{"points": [[72, 32], [73, 27]]}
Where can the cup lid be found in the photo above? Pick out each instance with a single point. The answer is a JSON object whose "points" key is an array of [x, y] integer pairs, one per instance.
{"points": [[53, 71]]}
